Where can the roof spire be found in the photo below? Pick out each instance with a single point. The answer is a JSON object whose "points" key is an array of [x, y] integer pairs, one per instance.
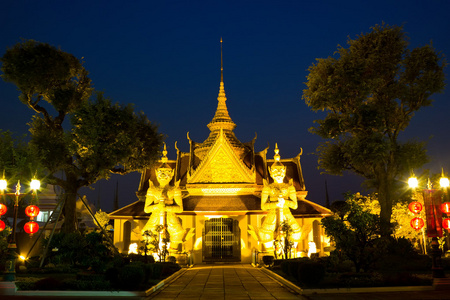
{"points": [[221, 118], [221, 61]]}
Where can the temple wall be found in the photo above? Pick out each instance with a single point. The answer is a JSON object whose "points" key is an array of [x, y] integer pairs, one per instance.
{"points": [[124, 228], [312, 232]]}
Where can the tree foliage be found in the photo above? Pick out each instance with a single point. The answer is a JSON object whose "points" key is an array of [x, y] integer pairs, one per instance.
{"points": [[356, 232], [401, 215], [17, 160], [370, 92], [78, 140]]}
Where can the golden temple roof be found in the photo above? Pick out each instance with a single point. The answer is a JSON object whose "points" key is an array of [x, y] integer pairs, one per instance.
{"points": [[221, 121]]}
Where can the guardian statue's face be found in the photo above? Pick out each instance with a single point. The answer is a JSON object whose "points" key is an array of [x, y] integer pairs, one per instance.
{"points": [[164, 175], [278, 173]]}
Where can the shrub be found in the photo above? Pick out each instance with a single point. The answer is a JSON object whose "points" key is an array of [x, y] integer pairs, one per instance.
{"points": [[346, 266], [76, 249], [131, 276], [26, 283], [169, 268], [48, 283], [145, 267], [310, 273], [405, 279], [293, 266], [86, 285], [156, 270], [402, 247], [3, 248], [112, 275], [150, 259]]}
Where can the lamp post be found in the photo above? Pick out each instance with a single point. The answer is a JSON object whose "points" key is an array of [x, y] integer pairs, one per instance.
{"points": [[433, 200], [30, 227]]}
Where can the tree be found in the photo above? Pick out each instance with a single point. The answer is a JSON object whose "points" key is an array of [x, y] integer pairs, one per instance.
{"points": [[286, 243], [98, 137], [156, 241], [370, 92], [355, 233], [401, 217]]}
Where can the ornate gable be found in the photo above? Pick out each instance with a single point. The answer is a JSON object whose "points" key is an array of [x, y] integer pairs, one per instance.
{"points": [[222, 165]]}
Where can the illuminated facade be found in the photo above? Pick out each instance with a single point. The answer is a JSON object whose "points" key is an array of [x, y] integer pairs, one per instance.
{"points": [[223, 183]]}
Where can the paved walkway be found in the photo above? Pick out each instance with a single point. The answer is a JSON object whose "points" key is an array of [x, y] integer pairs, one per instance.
{"points": [[220, 282]]}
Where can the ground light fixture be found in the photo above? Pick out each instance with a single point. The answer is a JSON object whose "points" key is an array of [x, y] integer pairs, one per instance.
{"points": [[31, 227], [437, 214]]}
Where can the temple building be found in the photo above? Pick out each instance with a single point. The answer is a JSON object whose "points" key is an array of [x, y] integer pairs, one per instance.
{"points": [[223, 201]]}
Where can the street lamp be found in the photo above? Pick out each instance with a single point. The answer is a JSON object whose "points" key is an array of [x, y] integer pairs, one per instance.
{"points": [[435, 207], [33, 227]]}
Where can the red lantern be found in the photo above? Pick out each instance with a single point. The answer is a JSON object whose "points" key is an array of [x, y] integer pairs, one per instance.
{"points": [[2, 225], [445, 207], [32, 211], [417, 223], [3, 209], [446, 223], [31, 227], [415, 207]]}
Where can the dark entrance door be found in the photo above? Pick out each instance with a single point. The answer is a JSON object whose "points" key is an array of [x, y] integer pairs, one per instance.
{"points": [[221, 240]]}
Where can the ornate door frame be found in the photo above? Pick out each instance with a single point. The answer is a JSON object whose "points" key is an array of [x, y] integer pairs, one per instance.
{"points": [[221, 240]]}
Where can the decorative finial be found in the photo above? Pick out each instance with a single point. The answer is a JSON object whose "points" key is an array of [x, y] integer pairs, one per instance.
{"points": [[164, 159], [276, 156]]}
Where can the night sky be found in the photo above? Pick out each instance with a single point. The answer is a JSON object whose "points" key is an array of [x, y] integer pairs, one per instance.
{"points": [[164, 56]]}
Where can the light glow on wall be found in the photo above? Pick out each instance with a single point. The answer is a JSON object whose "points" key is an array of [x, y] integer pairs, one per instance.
{"points": [[198, 244], [220, 191], [243, 244], [215, 216], [133, 248]]}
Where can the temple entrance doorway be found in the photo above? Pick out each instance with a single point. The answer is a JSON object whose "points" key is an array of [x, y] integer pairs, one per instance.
{"points": [[221, 240]]}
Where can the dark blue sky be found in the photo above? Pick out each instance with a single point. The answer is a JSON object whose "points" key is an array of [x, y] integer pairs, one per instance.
{"points": [[164, 56]]}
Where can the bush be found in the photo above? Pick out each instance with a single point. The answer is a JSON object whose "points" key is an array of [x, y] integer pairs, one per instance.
{"points": [[169, 268], [346, 266], [155, 270], [26, 283], [3, 248], [86, 285], [112, 275], [150, 259], [285, 267], [405, 279], [48, 283], [402, 247], [293, 266], [310, 273], [75, 249], [131, 276], [89, 276]]}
